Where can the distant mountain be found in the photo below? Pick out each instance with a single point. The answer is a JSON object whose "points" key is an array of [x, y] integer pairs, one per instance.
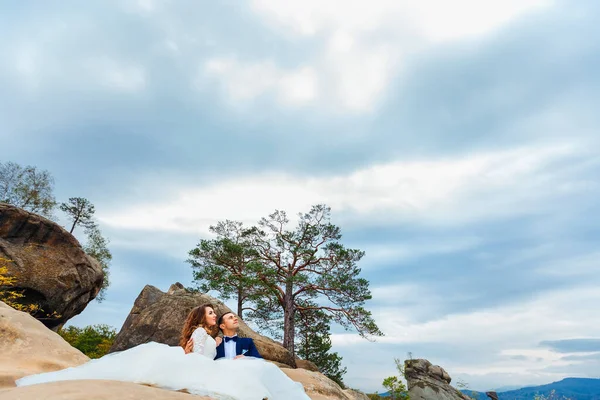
{"points": [[572, 388]]}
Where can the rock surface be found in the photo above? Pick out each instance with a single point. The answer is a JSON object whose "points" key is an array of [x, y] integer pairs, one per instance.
{"points": [[49, 265], [305, 364], [158, 316], [93, 390], [429, 382], [316, 385], [355, 394], [28, 347], [492, 395]]}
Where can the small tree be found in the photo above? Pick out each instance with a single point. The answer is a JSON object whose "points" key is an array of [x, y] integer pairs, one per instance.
{"points": [[552, 395], [97, 247], [463, 387], [394, 384], [314, 344], [93, 341], [27, 188], [227, 264], [308, 265], [80, 211]]}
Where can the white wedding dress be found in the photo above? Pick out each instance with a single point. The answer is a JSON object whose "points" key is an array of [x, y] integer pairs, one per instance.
{"points": [[169, 367]]}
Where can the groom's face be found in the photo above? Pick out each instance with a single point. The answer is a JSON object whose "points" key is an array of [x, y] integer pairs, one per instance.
{"points": [[230, 322]]}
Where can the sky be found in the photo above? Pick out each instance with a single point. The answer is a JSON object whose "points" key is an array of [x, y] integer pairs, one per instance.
{"points": [[456, 143]]}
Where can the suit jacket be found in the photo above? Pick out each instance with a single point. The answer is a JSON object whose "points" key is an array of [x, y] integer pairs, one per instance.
{"points": [[241, 345]]}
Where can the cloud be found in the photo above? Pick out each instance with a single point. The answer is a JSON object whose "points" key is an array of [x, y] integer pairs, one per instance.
{"points": [[244, 82], [489, 348], [364, 46], [431, 192], [127, 78], [455, 142], [432, 19], [580, 345]]}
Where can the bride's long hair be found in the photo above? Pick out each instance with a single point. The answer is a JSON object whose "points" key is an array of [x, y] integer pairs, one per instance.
{"points": [[197, 318]]}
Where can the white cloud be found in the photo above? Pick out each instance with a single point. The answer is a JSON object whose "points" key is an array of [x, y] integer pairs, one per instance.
{"points": [[245, 81], [364, 44], [40, 64], [433, 19], [116, 75], [505, 339], [438, 192], [413, 249]]}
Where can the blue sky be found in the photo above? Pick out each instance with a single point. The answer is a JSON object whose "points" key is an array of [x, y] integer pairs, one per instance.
{"points": [[457, 144]]}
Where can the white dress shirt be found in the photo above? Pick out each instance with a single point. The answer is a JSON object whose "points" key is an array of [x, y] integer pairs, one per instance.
{"points": [[230, 348]]}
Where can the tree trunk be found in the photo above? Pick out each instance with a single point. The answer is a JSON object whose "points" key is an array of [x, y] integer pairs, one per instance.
{"points": [[75, 221], [288, 319], [239, 303]]}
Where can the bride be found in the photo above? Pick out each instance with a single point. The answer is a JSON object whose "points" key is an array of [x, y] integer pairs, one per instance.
{"points": [[169, 367]]}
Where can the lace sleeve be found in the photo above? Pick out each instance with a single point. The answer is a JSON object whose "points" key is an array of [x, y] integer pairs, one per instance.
{"points": [[199, 336]]}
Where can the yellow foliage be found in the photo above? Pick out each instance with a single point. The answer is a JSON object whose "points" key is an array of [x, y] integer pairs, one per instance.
{"points": [[11, 297]]}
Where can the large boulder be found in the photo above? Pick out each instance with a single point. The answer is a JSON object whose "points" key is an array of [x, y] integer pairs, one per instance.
{"points": [[317, 385], [354, 394], [27, 347], [159, 317], [94, 390], [492, 395], [429, 382], [50, 267], [305, 364]]}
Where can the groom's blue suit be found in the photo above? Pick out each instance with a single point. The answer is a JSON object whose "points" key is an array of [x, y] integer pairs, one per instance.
{"points": [[243, 346]]}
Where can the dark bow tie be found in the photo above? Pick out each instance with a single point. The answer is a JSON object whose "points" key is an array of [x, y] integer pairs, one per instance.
{"points": [[227, 339]]}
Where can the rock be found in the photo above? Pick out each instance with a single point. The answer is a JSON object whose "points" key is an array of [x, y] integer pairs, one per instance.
{"points": [[305, 364], [354, 394], [28, 347], [159, 317], [429, 382], [49, 265], [93, 390], [317, 385], [492, 395]]}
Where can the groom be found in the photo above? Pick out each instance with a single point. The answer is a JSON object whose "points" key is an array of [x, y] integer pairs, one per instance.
{"points": [[232, 346]]}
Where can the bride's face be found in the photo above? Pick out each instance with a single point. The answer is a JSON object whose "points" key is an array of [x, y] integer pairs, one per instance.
{"points": [[210, 317]]}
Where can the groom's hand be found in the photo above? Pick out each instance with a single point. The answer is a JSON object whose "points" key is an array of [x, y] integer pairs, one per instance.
{"points": [[240, 356], [189, 347]]}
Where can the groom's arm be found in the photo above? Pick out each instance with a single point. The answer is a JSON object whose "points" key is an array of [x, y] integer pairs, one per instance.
{"points": [[252, 350]]}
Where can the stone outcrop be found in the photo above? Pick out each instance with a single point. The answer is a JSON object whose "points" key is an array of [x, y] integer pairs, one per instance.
{"points": [[50, 267], [492, 395], [429, 382], [316, 385], [355, 394], [28, 347], [93, 390], [305, 364], [159, 317]]}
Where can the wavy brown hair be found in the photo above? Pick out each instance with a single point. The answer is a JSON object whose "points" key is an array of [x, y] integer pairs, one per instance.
{"points": [[197, 318]]}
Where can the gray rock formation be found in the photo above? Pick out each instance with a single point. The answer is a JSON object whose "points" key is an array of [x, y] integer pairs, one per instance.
{"points": [[492, 395], [159, 317], [429, 382], [50, 267]]}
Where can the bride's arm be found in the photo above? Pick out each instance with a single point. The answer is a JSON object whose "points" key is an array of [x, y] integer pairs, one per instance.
{"points": [[199, 336]]}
